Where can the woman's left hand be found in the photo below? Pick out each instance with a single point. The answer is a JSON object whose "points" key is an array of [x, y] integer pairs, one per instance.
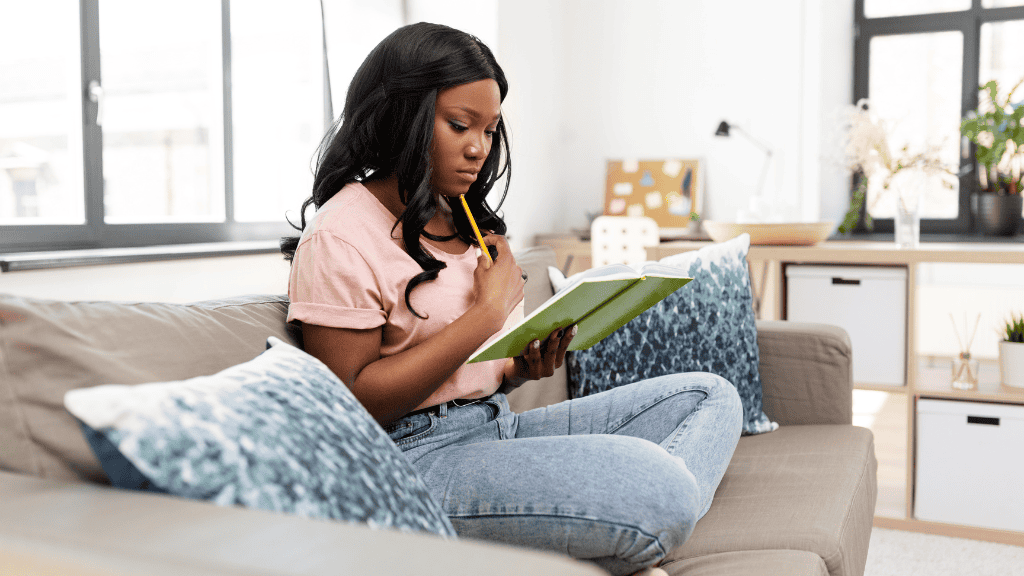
{"points": [[540, 359]]}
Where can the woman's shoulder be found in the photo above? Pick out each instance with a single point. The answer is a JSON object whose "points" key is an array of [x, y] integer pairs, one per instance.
{"points": [[352, 214]]}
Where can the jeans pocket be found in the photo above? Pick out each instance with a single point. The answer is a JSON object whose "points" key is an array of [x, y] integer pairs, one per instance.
{"points": [[411, 428]]}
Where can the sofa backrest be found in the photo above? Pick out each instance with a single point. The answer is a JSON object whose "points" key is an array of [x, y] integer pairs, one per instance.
{"points": [[50, 347]]}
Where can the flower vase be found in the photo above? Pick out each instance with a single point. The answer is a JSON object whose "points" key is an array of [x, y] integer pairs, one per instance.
{"points": [[908, 185]]}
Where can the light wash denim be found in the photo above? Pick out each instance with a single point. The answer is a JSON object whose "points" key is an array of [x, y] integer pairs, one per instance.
{"points": [[619, 478]]}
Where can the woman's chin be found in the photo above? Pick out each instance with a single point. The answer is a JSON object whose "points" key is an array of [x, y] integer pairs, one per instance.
{"points": [[453, 191]]}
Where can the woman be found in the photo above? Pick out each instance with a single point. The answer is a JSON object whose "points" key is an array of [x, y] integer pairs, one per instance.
{"points": [[392, 296]]}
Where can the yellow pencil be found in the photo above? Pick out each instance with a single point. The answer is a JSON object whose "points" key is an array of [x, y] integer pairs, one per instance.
{"points": [[479, 237]]}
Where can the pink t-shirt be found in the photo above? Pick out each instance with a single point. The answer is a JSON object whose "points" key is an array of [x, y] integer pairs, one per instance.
{"points": [[350, 271]]}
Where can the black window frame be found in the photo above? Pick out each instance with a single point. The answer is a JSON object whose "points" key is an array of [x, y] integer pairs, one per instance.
{"points": [[969, 23], [95, 233]]}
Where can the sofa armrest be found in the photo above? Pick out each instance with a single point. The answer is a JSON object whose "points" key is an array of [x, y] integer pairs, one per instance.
{"points": [[806, 372], [56, 527]]}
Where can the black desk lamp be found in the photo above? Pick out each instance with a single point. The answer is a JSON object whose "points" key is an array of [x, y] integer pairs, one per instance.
{"points": [[724, 129]]}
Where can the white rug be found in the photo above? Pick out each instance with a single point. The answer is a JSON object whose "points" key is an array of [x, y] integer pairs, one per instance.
{"points": [[899, 553]]}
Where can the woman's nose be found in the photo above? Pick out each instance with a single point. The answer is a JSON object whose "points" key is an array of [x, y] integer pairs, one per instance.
{"points": [[476, 148]]}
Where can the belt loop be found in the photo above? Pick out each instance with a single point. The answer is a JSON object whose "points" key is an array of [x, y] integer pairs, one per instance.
{"points": [[442, 410]]}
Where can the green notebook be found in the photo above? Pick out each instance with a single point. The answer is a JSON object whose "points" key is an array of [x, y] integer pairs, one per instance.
{"points": [[599, 301]]}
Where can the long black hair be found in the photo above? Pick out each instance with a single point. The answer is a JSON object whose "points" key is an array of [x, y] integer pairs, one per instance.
{"points": [[387, 128]]}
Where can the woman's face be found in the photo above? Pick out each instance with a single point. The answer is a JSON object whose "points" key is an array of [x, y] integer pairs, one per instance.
{"points": [[465, 119]]}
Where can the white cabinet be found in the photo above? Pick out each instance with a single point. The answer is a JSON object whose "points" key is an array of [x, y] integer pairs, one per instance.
{"points": [[970, 463], [869, 302]]}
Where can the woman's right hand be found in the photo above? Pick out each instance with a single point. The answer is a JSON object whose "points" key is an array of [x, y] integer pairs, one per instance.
{"points": [[499, 286]]}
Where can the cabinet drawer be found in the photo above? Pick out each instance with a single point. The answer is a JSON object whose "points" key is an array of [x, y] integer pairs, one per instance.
{"points": [[869, 302], [970, 464]]}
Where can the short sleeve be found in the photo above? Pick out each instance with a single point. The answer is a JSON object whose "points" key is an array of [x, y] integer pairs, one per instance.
{"points": [[332, 285]]}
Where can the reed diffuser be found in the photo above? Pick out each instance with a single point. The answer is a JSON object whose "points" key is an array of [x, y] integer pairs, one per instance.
{"points": [[965, 370]]}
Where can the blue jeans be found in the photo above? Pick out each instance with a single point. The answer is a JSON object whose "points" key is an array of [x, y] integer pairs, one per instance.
{"points": [[619, 478]]}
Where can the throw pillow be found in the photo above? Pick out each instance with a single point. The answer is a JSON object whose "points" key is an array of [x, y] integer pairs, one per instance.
{"points": [[280, 432], [707, 326]]}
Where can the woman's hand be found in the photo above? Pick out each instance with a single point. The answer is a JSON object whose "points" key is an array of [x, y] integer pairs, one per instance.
{"points": [[539, 359], [499, 286]]}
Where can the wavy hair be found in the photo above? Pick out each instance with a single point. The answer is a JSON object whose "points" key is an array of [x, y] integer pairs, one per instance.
{"points": [[387, 127]]}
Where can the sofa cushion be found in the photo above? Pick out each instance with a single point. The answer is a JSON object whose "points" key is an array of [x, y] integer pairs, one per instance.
{"points": [[760, 562], [553, 389], [707, 326], [49, 347], [809, 488], [280, 432]]}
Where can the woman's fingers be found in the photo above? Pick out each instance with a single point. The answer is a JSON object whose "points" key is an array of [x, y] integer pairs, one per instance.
{"points": [[563, 344], [542, 358]]}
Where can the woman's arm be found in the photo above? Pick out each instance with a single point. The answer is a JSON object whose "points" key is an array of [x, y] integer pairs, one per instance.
{"points": [[391, 387]]}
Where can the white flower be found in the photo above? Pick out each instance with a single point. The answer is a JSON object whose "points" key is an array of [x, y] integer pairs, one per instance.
{"points": [[986, 139]]}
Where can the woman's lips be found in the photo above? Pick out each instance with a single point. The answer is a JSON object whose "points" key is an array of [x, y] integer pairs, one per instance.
{"points": [[468, 176]]}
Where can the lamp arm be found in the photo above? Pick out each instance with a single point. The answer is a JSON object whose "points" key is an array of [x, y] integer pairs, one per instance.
{"points": [[767, 159], [757, 142]]}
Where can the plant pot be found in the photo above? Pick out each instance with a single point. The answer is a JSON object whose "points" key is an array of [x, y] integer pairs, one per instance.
{"points": [[997, 214], [1011, 363]]}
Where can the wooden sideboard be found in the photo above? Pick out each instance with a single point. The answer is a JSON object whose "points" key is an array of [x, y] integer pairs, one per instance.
{"points": [[767, 266]]}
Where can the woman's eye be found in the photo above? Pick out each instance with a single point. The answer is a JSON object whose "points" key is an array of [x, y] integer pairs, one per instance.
{"points": [[458, 127], [490, 133]]}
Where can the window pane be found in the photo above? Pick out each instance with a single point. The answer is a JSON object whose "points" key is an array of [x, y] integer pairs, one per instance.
{"points": [[162, 124], [883, 8], [278, 105], [914, 87], [41, 173], [1002, 57]]}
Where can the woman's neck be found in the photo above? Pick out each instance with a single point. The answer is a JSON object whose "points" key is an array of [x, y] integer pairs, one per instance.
{"points": [[386, 191]]}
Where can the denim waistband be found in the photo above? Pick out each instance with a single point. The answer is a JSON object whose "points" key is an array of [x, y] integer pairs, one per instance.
{"points": [[442, 409]]}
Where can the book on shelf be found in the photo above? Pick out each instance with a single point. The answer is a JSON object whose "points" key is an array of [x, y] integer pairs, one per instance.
{"points": [[599, 301]]}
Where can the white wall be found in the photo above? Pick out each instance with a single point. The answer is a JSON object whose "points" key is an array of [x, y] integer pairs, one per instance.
{"points": [[532, 41], [593, 80]]}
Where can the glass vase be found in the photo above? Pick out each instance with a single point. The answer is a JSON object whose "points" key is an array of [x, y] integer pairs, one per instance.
{"points": [[908, 186]]}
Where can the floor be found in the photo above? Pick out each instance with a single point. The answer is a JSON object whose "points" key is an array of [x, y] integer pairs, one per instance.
{"points": [[885, 413]]}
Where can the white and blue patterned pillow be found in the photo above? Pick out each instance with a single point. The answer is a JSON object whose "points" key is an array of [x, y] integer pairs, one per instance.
{"points": [[708, 326], [280, 432]]}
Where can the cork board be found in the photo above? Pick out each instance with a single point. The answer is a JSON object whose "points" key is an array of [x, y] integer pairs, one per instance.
{"points": [[665, 190]]}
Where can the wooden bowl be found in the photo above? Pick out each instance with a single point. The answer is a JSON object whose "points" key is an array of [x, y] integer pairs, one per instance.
{"points": [[783, 234]]}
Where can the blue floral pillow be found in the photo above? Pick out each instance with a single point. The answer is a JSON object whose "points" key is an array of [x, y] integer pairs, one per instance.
{"points": [[280, 432], [707, 326]]}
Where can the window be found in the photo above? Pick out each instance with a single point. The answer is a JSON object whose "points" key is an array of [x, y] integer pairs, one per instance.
{"points": [[920, 63], [126, 123]]}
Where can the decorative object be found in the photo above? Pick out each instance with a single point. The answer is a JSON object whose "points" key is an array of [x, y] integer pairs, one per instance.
{"points": [[709, 327], [782, 234], [668, 191], [1011, 353], [280, 432], [867, 152], [964, 369], [909, 185], [996, 130]]}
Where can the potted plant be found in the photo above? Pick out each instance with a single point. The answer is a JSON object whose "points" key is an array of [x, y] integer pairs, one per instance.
{"points": [[1011, 353], [997, 131]]}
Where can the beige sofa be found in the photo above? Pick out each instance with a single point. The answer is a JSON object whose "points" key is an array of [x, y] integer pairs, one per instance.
{"points": [[796, 501]]}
